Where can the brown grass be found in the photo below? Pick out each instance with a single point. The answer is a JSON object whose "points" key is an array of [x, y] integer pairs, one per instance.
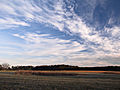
{"points": [[63, 73]]}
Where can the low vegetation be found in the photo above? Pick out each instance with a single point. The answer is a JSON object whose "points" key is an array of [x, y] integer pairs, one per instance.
{"points": [[59, 77], [63, 73], [85, 80]]}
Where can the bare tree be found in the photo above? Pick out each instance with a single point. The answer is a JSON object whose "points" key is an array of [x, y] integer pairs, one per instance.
{"points": [[0, 67], [5, 66]]}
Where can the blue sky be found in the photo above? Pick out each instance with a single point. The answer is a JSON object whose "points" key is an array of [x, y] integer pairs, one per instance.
{"points": [[45, 32]]}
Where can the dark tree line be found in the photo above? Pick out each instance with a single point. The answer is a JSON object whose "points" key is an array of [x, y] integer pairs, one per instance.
{"points": [[66, 67], [22, 67], [6, 66]]}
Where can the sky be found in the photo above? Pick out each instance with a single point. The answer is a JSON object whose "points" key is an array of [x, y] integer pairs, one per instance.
{"points": [[48, 32]]}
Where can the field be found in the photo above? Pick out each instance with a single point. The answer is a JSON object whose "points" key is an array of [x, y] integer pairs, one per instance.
{"points": [[59, 80]]}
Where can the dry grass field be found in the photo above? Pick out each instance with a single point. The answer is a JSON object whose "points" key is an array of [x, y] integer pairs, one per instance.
{"points": [[69, 73], [59, 80]]}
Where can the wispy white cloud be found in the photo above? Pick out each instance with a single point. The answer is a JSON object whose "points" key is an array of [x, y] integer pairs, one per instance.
{"points": [[10, 21], [22, 13], [42, 46], [49, 48]]}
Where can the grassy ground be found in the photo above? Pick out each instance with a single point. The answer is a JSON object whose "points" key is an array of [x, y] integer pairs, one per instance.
{"points": [[89, 81], [63, 73]]}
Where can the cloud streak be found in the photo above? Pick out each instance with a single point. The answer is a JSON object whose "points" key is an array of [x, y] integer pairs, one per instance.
{"points": [[91, 44]]}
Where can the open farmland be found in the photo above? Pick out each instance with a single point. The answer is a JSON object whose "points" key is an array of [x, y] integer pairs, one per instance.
{"points": [[60, 80]]}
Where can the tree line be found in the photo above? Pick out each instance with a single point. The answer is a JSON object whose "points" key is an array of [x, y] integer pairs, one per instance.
{"points": [[6, 66]]}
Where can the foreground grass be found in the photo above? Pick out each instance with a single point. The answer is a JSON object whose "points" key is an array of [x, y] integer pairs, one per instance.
{"points": [[90, 81]]}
